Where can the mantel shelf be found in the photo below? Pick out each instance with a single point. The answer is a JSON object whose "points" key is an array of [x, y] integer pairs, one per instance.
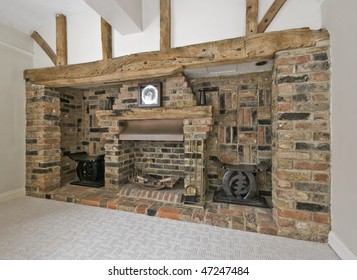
{"points": [[157, 113]]}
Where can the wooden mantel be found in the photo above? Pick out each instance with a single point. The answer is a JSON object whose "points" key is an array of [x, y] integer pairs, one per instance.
{"points": [[160, 64], [157, 113]]}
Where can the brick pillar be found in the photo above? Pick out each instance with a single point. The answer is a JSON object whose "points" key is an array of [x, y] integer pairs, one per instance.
{"points": [[43, 138], [195, 135], [301, 143]]}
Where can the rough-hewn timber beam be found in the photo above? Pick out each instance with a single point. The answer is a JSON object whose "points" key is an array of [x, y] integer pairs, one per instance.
{"points": [[165, 25], [156, 64], [251, 17], [61, 40], [270, 14], [44, 46], [106, 29]]}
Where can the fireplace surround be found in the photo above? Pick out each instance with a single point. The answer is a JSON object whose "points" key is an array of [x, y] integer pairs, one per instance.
{"points": [[281, 115]]}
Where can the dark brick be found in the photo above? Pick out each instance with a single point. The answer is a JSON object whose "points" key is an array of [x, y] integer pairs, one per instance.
{"points": [[101, 129], [294, 116], [304, 146], [99, 92], [42, 171], [293, 79], [31, 141], [31, 153], [131, 89], [51, 117], [49, 164], [264, 122], [311, 207], [131, 100], [320, 56], [264, 148], [301, 97]]}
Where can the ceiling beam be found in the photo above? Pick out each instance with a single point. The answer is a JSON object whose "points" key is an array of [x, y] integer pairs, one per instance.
{"points": [[61, 40], [165, 25], [251, 17], [155, 64], [106, 30], [270, 15], [44, 46]]}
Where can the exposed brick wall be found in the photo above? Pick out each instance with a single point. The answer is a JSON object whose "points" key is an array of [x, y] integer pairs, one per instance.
{"points": [[94, 100], [301, 153], [71, 131], [43, 137], [160, 158], [242, 129]]}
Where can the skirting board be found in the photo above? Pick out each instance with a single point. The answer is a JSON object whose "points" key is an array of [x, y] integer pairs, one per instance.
{"points": [[10, 195], [340, 248]]}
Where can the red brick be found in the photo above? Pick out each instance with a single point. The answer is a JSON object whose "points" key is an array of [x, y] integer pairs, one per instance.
{"points": [[169, 212], [321, 218], [294, 214]]}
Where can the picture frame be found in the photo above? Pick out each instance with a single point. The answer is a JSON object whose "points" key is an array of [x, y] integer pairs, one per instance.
{"points": [[149, 95]]}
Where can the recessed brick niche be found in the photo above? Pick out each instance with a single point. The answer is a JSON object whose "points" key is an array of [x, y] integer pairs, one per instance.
{"points": [[280, 116]]}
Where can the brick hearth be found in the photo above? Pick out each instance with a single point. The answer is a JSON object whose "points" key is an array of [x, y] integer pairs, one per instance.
{"points": [[167, 205]]}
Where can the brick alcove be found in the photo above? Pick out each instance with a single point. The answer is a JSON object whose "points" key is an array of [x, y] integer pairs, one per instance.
{"points": [[299, 146]]}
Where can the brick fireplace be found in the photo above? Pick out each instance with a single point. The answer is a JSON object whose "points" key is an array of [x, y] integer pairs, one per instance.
{"points": [[280, 116]]}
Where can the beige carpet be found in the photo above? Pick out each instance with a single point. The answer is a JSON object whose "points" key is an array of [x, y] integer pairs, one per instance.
{"points": [[39, 229]]}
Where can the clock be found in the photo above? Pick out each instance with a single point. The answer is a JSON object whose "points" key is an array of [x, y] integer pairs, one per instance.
{"points": [[149, 95]]}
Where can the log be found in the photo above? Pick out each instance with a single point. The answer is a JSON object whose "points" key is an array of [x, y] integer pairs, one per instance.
{"points": [[165, 25], [44, 46], [270, 15], [155, 64], [61, 40], [106, 29], [251, 17]]}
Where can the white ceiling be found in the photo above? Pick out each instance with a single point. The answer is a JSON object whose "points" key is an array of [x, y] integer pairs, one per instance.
{"points": [[29, 15]]}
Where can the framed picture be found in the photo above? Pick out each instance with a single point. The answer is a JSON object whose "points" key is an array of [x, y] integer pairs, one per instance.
{"points": [[150, 95]]}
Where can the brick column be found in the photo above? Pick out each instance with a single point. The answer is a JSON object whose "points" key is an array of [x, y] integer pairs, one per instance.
{"points": [[195, 135], [301, 143], [43, 138]]}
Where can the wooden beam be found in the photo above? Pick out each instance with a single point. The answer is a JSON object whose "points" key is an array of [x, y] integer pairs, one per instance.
{"points": [[157, 113], [106, 39], [44, 46], [155, 64], [252, 17], [270, 15], [61, 40], [165, 25]]}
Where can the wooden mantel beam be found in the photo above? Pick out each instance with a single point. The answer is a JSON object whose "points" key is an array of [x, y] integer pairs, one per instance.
{"points": [[155, 64]]}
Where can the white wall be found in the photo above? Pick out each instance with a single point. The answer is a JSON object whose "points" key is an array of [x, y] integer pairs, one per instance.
{"points": [[341, 22], [16, 55], [193, 21]]}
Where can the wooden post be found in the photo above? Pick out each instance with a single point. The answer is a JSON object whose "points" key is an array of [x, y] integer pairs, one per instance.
{"points": [[106, 39], [165, 25], [252, 17], [61, 40], [44, 46], [270, 14]]}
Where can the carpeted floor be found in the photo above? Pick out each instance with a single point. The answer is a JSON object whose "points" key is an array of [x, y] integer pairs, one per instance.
{"points": [[39, 229]]}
